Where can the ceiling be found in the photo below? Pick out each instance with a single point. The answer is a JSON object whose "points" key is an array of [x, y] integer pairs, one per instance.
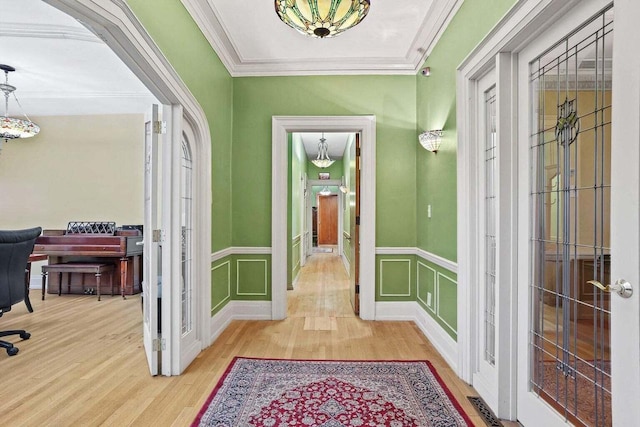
{"points": [[394, 38], [337, 141], [61, 67]]}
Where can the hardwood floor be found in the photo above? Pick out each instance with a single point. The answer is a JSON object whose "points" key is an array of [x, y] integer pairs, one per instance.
{"points": [[84, 364]]}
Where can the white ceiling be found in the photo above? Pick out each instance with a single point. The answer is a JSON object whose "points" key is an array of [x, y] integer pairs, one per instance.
{"points": [[61, 67], [394, 38], [337, 141]]}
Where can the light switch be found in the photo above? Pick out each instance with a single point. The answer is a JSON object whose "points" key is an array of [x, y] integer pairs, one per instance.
{"points": [[428, 211]]}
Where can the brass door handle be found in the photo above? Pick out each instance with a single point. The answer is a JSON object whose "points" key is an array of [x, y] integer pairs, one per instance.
{"points": [[622, 287]]}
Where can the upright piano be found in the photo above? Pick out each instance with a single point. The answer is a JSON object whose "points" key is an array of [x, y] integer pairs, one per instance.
{"points": [[95, 242]]}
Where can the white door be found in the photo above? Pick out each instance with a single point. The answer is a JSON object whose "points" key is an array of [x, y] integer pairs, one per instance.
{"points": [[186, 343], [485, 376], [578, 221], [151, 244]]}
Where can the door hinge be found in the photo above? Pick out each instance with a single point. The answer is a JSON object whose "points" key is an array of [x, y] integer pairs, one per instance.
{"points": [[358, 152], [357, 220], [160, 127], [158, 236], [159, 344], [357, 289]]}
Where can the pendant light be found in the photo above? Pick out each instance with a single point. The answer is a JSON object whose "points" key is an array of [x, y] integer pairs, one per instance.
{"points": [[323, 160], [12, 128]]}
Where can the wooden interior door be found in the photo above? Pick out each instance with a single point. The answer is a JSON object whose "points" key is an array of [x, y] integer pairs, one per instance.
{"points": [[356, 232], [328, 220]]}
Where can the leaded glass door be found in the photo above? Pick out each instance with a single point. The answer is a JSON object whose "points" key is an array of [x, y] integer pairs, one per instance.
{"points": [[568, 153]]}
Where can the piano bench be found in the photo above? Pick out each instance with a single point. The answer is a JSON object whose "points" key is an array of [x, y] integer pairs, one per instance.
{"points": [[82, 268]]}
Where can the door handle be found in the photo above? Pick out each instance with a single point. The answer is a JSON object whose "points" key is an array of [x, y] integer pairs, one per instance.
{"points": [[622, 287]]}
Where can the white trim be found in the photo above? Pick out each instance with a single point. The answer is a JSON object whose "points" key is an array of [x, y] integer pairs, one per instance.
{"points": [[438, 275], [266, 281], [449, 265], [396, 311], [366, 126], [431, 307], [436, 20], [228, 297], [240, 250], [408, 293], [411, 311], [452, 266], [238, 310], [116, 24]]}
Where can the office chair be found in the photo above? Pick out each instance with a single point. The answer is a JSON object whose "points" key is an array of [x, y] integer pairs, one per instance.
{"points": [[15, 248]]}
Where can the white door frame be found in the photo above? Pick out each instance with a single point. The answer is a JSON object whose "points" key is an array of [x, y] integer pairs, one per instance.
{"points": [[115, 23], [281, 126], [332, 183]]}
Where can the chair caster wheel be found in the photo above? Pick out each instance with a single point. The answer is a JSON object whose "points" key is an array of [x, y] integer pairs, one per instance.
{"points": [[25, 336], [12, 351]]}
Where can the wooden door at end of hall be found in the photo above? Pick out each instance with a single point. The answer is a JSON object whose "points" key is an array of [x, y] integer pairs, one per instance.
{"points": [[328, 220]]}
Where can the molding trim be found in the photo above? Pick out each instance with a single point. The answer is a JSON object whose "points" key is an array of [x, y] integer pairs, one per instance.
{"points": [[47, 31], [281, 125], [446, 346], [240, 250], [238, 310], [228, 297], [436, 259], [266, 281], [411, 311], [382, 261], [437, 284], [206, 17], [431, 307]]}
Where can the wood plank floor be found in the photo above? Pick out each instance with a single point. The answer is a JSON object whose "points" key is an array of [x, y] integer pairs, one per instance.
{"points": [[84, 364]]}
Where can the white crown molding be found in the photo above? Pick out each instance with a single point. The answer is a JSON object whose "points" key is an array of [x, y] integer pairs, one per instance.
{"points": [[47, 31], [205, 15], [435, 24]]}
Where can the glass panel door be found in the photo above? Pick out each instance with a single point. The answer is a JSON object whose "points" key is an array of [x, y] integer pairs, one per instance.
{"points": [[570, 196]]}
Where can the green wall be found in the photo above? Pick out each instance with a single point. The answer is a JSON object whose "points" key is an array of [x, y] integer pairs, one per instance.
{"points": [[182, 43], [408, 178], [436, 109], [390, 98]]}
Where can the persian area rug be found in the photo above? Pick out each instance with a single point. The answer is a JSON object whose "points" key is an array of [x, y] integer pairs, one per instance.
{"points": [[278, 393]]}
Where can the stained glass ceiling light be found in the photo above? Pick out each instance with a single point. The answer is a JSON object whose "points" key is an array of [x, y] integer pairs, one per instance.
{"points": [[322, 18], [323, 160], [11, 128]]}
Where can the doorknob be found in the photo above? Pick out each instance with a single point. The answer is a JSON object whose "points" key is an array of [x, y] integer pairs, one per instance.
{"points": [[622, 287]]}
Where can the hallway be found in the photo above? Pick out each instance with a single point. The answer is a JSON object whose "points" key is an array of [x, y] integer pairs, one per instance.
{"points": [[84, 367]]}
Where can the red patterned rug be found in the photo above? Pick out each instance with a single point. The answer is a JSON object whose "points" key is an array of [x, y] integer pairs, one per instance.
{"points": [[278, 393]]}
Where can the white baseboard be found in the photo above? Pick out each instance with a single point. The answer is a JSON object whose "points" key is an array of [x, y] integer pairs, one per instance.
{"points": [[446, 346], [346, 263], [394, 311], [412, 311], [238, 310]]}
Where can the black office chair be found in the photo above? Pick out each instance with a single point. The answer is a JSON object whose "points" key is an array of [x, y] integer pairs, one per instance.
{"points": [[15, 248]]}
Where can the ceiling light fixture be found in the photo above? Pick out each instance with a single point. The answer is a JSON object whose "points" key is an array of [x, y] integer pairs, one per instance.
{"points": [[325, 191], [322, 18], [323, 160], [431, 139], [11, 128]]}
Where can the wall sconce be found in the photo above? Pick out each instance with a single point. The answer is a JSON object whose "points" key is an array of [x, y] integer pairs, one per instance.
{"points": [[431, 139], [343, 186]]}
